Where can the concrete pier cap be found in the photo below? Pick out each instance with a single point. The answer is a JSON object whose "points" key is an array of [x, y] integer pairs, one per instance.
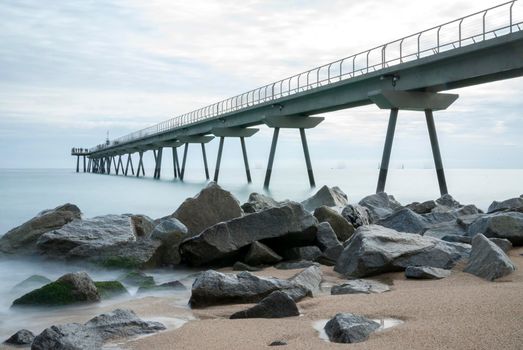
{"points": [[412, 100]]}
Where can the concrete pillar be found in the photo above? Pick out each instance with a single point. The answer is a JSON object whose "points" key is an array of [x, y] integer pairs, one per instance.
{"points": [[435, 152], [307, 157], [184, 160], [271, 158], [77, 164], [219, 159], [382, 179], [245, 159], [204, 155]]}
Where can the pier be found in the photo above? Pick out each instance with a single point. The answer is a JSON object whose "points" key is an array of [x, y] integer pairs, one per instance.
{"points": [[410, 73]]}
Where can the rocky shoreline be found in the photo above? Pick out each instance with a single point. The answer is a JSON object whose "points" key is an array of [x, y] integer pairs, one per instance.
{"points": [[214, 232]]}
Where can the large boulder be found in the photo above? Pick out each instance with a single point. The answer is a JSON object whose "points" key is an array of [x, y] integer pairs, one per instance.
{"points": [[20, 338], [512, 204], [94, 333], [380, 205], [258, 202], [339, 224], [375, 249], [214, 288], [260, 254], [69, 289], [142, 225], [426, 272], [211, 206], [328, 196], [275, 305], [350, 328], [357, 215], [444, 229], [405, 220], [507, 225], [288, 225], [22, 239], [487, 260], [422, 208], [360, 286], [328, 242], [171, 232], [110, 289], [109, 240], [30, 283], [310, 253]]}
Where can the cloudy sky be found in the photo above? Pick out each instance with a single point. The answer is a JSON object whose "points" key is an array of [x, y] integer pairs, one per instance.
{"points": [[72, 70]]}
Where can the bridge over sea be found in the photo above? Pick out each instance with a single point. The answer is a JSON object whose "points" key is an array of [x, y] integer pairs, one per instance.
{"points": [[410, 73]]}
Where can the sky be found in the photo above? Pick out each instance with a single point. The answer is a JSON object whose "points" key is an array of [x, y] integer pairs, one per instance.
{"points": [[71, 71]]}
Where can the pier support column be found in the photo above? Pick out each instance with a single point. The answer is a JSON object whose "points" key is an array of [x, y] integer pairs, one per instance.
{"points": [[412, 101], [77, 164], [157, 162], [218, 159], [184, 160], [245, 160], [384, 167], [84, 165], [291, 122], [120, 163], [435, 152], [176, 163], [202, 139], [204, 156], [140, 165], [109, 164], [129, 162]]}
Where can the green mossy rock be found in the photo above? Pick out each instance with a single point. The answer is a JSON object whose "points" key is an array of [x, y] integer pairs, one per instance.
{"points": [[119, 262], [110, 289], [32, 282], [137, 278]]}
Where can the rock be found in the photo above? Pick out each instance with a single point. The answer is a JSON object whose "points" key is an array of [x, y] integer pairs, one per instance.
{"points": [[487, 260], [171, 232], [330, 197], [448, 201], [503, 243], [380, 205], [22, 239], [449, 228], [350, 328], [214, 288], [405, 220], [356, 215], [284, 226], [258, 202], [375, 249], [467, 220], [69, 289], [507, 225], [209, 207], [278, 343], [30, 283], [426, 272], [260, 254], [422, 208], [142, 224], [94, 333], [167, 286], [110, 289], [328, 242], [137, 278], [275, 305], [293, 265], [339, 224], [457, 239], [22, 337], [310, 253], [360, 286], [239, 266], [512, 204]]}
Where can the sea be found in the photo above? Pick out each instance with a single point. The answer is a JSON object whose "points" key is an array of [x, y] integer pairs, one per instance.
{"points": [[26, 192]]}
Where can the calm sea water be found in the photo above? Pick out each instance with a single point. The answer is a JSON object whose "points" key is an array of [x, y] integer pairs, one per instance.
{"points": [[23, 193]]}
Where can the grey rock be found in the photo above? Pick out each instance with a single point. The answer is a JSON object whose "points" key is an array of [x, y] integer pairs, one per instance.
{"points": [[328, 196], [422, 208], [22, 239], [503, 243], [260, 254], [457, 239], [360, 286], [448, 201], [449, 228], [171, 232], [214, 288], [328, 242], [507, 225], [137, 278], [22, 337], [142, 225], [310, 253], [357, 215], [405, 220], [276, 305], [426, 272], [487, 260], [209, 207], [167, 286], [375, 249], [339, 224], [350, 328], [94, 333], [30, 283], [380, 205], [512, 204], [239, 266], [288, 225], [293, 265], [467, 220], [258, 202]]}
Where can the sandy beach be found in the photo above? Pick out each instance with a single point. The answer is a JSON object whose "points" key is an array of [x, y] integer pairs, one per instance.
{"points": [[458, 312]]}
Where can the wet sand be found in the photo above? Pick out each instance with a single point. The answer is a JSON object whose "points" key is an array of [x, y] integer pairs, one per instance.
{"points": [[458, 312]]}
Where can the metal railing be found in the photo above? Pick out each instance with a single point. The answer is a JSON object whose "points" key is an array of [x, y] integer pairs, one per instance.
{"points": [[487, 24]]}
